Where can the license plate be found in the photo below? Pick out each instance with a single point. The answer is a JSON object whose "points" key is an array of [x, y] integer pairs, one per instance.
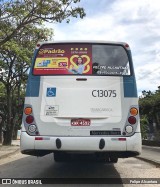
{"points": [[80, 122]]}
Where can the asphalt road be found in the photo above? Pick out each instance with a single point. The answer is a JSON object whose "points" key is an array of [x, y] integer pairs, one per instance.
{"points": [[151, 153], [22, 166]]}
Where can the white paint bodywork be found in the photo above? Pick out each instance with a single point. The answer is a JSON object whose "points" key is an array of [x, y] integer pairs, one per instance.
{"points": [[88, 144], [75, 100]]}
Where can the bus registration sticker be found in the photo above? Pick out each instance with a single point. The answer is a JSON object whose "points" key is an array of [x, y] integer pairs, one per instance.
{"points": [[51, 110], [80, 122]]}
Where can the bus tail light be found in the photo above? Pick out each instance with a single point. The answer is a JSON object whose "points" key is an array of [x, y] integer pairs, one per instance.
{"points": [[129, 129], [28, 110], [32, 128], [38, 45], [29, 119], [126, 46], [133, 111], [132, 120]]}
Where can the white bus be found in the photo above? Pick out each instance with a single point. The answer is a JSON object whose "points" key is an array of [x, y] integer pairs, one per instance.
{"points": [[81, 99]]}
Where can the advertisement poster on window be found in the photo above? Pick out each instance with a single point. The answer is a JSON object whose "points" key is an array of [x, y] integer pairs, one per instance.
{"points": [[64, 60]]}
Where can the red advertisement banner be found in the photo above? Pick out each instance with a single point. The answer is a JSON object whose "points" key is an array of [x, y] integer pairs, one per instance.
{"points": [[67, 59]]}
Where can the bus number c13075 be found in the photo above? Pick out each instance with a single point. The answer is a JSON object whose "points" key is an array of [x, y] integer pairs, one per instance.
{"points": [[104, 93]]}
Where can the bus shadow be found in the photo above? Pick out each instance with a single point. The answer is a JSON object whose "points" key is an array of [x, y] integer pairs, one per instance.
{"points": [[83, 172], [69, 173]]}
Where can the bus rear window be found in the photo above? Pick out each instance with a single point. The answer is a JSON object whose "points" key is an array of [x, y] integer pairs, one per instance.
{"points": [[81, 59]]}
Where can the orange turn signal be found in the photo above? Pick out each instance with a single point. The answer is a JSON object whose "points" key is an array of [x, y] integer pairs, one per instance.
{"points": [[28, 110], [133, 111]]}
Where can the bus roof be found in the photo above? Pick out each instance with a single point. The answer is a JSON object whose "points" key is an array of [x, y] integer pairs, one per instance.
{"points": [[83, 41]]}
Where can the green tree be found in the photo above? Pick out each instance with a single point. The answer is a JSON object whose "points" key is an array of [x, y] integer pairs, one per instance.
{"points": [[150, 106], [15, 58], [2, 107], [146, 103], [144, 127], [21, 24], [15, 15]]}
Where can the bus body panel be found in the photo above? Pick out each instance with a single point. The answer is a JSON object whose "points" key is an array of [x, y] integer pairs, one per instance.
{"points": [[79, 98], [61, 126], [80, 144]]}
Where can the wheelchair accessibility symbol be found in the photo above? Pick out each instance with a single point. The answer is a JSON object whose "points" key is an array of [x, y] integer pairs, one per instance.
{"points": [[51, 92]]}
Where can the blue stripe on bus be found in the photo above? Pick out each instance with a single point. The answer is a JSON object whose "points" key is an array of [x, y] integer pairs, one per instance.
{"points": [[129, 86], [33, 86], [33, 83]]}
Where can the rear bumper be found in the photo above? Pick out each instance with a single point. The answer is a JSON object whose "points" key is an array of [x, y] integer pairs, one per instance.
{"points": [[79, 144]]}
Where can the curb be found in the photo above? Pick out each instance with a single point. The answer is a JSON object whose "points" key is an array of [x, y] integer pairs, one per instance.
{"points": [[154, 162], [9, 154]]}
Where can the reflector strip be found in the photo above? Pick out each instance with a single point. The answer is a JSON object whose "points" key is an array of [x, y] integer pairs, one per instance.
{"points": [[114, 139], [122, 139], [38, 138], [42, 138], [45, 138], [118, 139]]}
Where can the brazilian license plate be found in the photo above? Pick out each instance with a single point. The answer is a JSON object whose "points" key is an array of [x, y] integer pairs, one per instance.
{"points": [[80, 122]]}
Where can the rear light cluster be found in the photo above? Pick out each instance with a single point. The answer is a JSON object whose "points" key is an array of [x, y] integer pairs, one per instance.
{"points": [[131, 122], [29, 123], [133, 112], [29, 117]]}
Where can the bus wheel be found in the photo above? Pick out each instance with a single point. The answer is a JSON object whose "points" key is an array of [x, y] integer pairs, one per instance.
{"points": [[113, 159]]}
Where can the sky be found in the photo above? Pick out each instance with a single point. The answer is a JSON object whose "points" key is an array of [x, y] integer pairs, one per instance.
{"points": [[136, 22]]}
